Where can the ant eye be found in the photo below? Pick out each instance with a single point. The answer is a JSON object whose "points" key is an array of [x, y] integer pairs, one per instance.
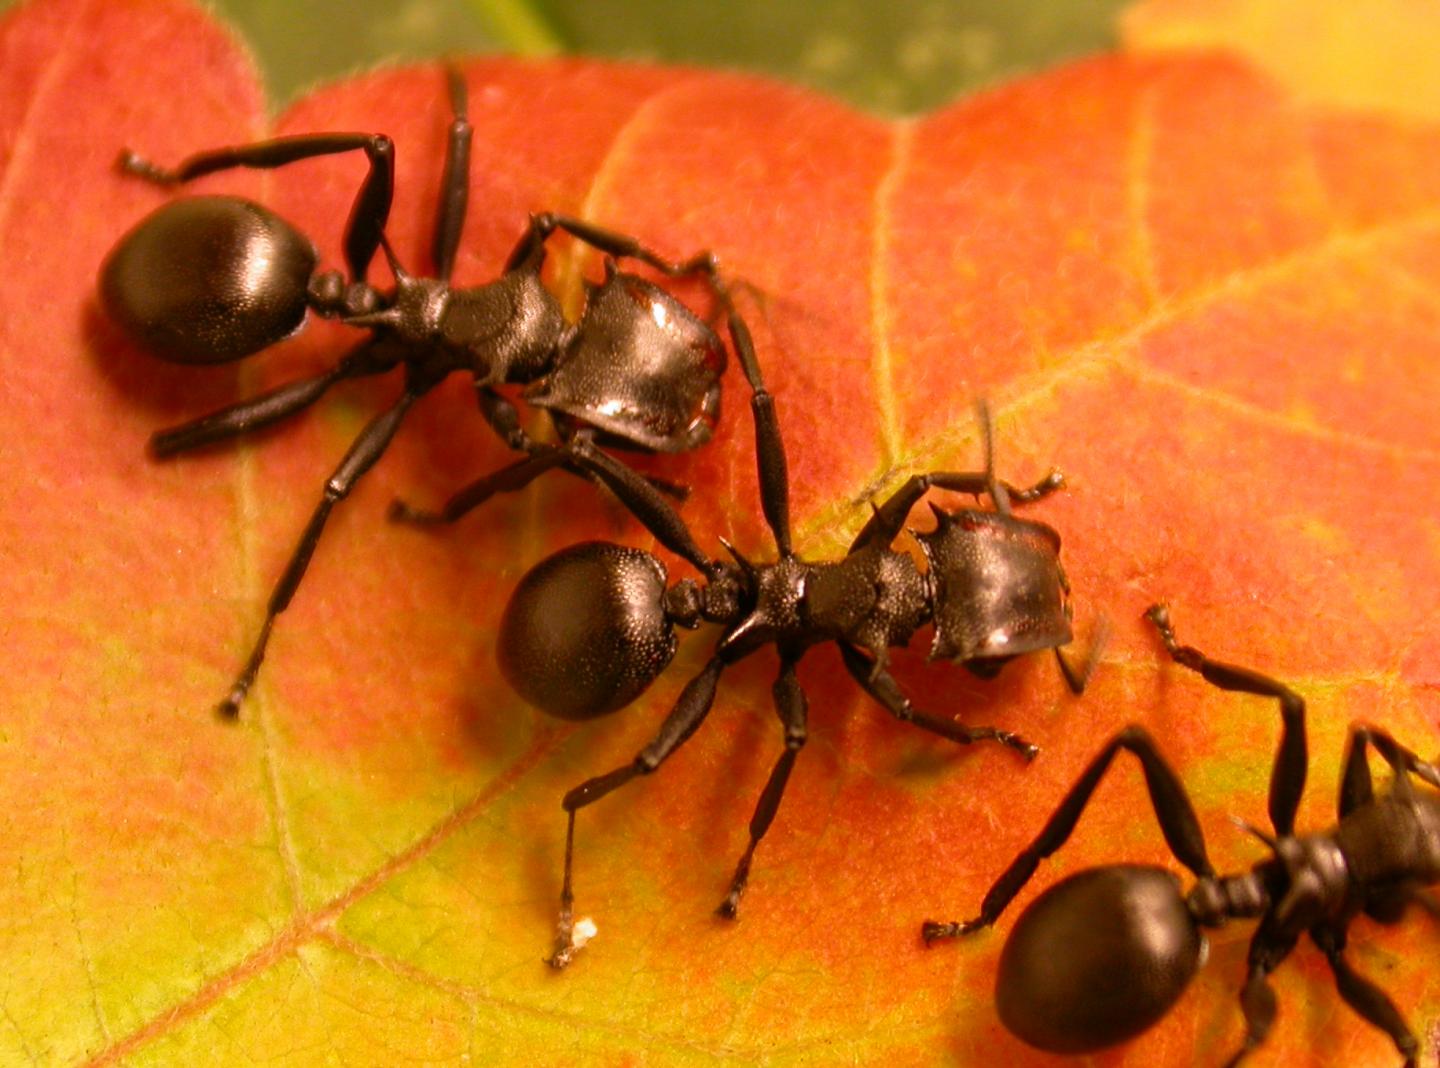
{"points": [[585, 632], [1097, 959], [208, 280]]}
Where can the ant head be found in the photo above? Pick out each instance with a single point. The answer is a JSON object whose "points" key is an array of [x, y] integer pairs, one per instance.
{"points": [[731, 590], [208, 280], [586, 631], [1097, 959], [998, 588]]}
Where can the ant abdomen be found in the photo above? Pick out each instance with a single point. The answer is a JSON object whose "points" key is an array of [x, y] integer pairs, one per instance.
{"points": [[208, 280], [1097, 959], [586, 631]]}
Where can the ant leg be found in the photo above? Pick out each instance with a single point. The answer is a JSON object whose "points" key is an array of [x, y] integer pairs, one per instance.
{"points": [[889, 518], [791, 706], [1287, 777], [1257, 996], [530, 247], [1364, 996], [684, 719], [622, 246], [676, 491], [876, 681], [279, 403], [509, 479], [977, 482], [579, 455], [1078, 678], [505, 421], [500, 414], [454, 181], [364, 451], [244, 417], [998, 496], [1356, 788], [769, 446], [641, 498], [1173, 812], [371, 207]]}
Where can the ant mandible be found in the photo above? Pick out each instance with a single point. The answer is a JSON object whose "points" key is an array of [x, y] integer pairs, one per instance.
{"points": [[213, 279], [1102, 955], [589, 628]]}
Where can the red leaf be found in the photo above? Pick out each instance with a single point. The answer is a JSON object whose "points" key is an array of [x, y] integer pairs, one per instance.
{"points": [[1213, 307]]}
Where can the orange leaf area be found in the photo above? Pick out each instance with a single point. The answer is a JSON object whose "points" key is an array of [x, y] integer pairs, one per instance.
{"points": [[1214, 307], [1377, 55]]}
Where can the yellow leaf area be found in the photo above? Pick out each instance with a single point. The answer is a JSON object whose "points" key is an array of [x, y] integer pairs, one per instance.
{"points": [[1378, 55], [1213, 306]]}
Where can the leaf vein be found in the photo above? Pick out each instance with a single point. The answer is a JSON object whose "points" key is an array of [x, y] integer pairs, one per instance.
{"points": [[1122, 348], [1139, 156], [313, 924], [882, 320], [52, 79]]}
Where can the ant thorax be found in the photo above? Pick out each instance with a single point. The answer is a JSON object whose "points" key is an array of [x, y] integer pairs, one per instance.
{"points": [[1392, 839], [874, 598], [506, 331], [775, 615]]}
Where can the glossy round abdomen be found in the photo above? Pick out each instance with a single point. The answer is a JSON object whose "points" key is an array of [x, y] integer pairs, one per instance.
{"points": [[585, 631], [1097, 959], [208, 279]]}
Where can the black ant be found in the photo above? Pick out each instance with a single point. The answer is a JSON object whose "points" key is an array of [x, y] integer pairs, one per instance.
{"points": [[588, 629], [212, 279], [1104, 954]]}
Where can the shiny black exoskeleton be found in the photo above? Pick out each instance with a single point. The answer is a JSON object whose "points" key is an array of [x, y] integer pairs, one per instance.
{"points": [[588, 629], [1104, 954], [212, 279]]}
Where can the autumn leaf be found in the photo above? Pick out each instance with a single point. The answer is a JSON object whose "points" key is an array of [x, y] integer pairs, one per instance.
{"points": [[1375, 56], [1213, 305]]}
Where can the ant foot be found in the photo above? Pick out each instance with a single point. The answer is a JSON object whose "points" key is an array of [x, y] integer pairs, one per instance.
{"points": [[400, 512], [1028, 750], [933, 932], [570, 939]]}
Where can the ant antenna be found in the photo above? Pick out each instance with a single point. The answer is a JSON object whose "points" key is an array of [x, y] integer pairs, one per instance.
{"points": [[392, 259], [996, 488], [1250, 828]]}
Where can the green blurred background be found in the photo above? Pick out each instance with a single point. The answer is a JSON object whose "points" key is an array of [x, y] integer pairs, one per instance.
{"points": [[889, 56]]}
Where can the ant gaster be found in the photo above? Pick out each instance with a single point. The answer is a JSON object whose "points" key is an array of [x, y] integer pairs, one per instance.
{"points": [[1105, 953], [212, 279], [588, 629]]}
